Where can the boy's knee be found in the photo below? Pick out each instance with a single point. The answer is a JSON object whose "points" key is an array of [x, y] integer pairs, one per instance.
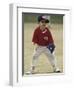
{"points": [[35, 57]]}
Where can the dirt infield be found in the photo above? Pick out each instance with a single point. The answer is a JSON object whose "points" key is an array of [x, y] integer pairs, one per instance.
{"points": [[43, 65]]}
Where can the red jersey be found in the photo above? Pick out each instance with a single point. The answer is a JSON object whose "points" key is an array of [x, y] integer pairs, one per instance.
{"points": [[42, 38]]}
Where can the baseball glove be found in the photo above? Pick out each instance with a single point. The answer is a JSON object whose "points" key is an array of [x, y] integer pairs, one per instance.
{"points": [[51, 47]]}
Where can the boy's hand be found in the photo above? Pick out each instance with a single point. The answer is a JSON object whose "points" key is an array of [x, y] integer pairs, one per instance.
{"points": [[51, 47], [35, 46]]}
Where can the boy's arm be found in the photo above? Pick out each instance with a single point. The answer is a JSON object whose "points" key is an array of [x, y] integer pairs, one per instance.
{"points": [[51, 45], [50, 37], [35, 39]]}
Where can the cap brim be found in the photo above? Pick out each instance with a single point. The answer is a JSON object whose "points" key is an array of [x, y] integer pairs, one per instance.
{"points": [[47, 21]]}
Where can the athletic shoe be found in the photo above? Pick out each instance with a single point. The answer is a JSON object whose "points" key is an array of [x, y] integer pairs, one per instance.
{"points": [[57, 70]]}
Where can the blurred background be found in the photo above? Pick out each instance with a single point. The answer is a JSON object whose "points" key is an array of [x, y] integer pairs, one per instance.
{"points": [[29, 23], [31, 17]]}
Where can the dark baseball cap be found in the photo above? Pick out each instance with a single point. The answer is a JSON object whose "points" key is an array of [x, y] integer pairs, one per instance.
{"points": [[43, 17]]}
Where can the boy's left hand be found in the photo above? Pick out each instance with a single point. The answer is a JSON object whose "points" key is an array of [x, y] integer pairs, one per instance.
{"points": [[51, 47]]}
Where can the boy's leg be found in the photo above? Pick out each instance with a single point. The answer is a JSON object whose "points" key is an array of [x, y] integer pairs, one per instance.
{"points": [[52, 60], [36, 55]]}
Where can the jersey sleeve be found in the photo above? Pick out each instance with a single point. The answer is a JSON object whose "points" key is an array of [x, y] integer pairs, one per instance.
{"points": [[35, 37], [50, 37]]}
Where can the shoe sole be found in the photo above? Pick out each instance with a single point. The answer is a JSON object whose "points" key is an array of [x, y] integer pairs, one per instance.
{"points": [[57, 71]]}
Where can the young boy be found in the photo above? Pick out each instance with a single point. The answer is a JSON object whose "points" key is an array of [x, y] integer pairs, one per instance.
{"points": [[43, 43]]}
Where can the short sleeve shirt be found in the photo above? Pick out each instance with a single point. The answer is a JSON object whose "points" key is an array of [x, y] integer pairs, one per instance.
{"points": [[42, 37]]}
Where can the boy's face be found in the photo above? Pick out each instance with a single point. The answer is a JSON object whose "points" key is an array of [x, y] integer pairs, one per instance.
{"points": [[42, 24]]}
